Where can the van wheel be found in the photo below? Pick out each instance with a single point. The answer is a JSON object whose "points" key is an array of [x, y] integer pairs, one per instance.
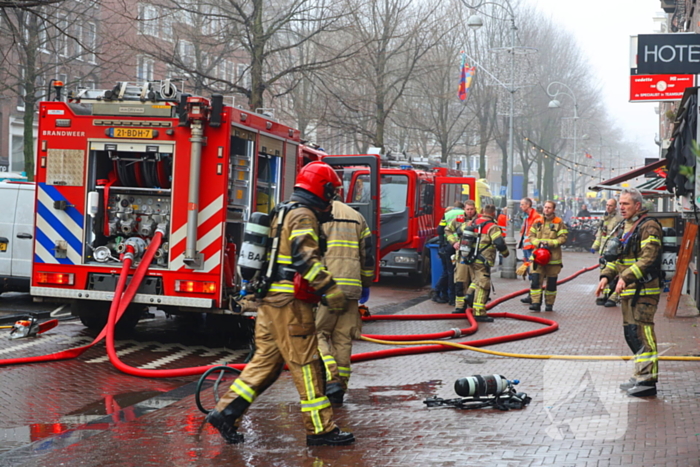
{"points": [[94, 315], [422, 277]]}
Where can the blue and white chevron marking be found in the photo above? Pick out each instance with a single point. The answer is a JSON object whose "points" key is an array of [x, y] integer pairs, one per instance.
{"points": [[53, 225]]}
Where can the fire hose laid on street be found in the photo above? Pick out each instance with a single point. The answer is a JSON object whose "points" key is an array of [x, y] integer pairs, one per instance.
{"points": [[419, 343]]}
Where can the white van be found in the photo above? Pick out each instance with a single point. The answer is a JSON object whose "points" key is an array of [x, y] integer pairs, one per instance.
{"points": [[16, 233]]}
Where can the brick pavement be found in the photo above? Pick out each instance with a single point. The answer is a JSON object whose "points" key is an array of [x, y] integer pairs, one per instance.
{"points": [[577, 417]]}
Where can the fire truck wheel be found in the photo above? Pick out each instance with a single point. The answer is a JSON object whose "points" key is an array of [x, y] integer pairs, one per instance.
{"points": [[94, 314], [422, 277]]}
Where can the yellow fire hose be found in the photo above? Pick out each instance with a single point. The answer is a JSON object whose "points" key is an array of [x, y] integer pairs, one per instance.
{"points": [[519, 355]]}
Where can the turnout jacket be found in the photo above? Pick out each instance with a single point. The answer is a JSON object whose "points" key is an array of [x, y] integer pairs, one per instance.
{"points": [[299, 251], [635, 266], [552, 232], [491, 239], [453, 231], [607, 224], [349, 254]]}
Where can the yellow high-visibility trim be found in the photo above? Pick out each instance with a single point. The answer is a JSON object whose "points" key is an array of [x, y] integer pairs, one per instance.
{"points": [[344, 371], [310, 404], [243, 390], [315, 405], [302, 232], [347, 281], [343, 243], [636, 271], [313, 272], [365, 233], [651, 239], [284, 259], [283, 288]]}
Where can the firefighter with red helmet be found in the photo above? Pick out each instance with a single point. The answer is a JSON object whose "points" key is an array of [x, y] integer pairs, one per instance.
{"points": [[351, 260], [491, 240], [547, 234], [285, 331]]}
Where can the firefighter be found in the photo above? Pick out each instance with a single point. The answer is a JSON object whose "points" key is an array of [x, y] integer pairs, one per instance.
{"points": [[464, 294], [445, 288], [633, 257], [531, 216], [610, 220], [491, 240], [549, 233], [285, 331], [351, 260]]}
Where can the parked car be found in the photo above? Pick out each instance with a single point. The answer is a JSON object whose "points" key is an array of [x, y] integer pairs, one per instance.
{"points": [[16, 233]]}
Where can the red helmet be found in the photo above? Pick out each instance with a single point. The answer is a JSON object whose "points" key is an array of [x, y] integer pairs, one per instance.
{"points": [[319, 179], [541, 256]]}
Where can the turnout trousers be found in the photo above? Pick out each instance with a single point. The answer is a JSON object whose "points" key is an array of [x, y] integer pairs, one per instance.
{"points": [[285, 334], [463, 283], [638, 325], [335, 335], [481, 284], [544, 279]]}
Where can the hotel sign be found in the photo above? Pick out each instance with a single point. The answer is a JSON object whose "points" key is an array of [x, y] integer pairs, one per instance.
{"points": [[668, 54]]}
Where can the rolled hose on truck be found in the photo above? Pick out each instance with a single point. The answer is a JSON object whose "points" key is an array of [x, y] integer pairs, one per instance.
{"points": [[122, 299]]}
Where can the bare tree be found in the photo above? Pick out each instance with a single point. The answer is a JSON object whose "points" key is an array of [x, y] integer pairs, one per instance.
{"points": [[38, 43], [393, 36], [251, 47]]}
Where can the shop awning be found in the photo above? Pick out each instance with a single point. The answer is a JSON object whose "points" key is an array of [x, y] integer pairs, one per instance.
{"points": [[653, 187], [629, 175]]}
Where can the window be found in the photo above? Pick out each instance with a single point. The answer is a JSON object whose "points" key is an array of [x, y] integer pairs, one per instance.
{"points": [[90, 41], [394, 190], [144, 69], [77, 41], [148, 19], [61, 36], [166, 25], [243, 75], [187, 53]]}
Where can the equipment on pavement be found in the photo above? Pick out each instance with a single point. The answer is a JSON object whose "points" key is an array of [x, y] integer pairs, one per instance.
{"points": [[29, 327], [484, 391]]}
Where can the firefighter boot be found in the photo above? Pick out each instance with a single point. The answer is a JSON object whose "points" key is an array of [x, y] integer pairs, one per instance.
{"points": [[628, 384], [536, 307], [335, 393], [225, 425], [334, 437], [483, 318], [527, 299], [642, 389], [469, 300], [549, 308], [600, 301], [460, 306]]}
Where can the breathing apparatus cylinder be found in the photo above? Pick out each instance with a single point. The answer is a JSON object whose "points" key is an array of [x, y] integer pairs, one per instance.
{"points": [[482, 386], [254, 247], [469, 243], [670, 253]]}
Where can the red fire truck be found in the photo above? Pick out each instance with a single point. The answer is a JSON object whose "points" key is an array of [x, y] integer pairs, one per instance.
{"points": [[116, 166], [412, 203]]}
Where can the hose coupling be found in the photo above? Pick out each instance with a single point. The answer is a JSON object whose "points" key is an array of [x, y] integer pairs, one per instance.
{"points": [[457, 332]]}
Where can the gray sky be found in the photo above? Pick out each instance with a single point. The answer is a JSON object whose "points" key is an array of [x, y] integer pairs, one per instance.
{"points": [[603, 29]]}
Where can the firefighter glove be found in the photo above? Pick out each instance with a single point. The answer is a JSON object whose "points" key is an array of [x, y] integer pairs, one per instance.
{"points": [[365, 295], [593, 250], [334, 299]]}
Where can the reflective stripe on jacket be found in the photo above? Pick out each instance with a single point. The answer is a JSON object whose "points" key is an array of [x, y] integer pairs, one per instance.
{"points": [[350, 254], [552, 233], [636, 262], [299, 251]]}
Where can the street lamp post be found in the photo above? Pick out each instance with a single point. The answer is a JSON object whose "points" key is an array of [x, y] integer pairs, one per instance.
{"points": [[475, 22], [555, 104]]}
